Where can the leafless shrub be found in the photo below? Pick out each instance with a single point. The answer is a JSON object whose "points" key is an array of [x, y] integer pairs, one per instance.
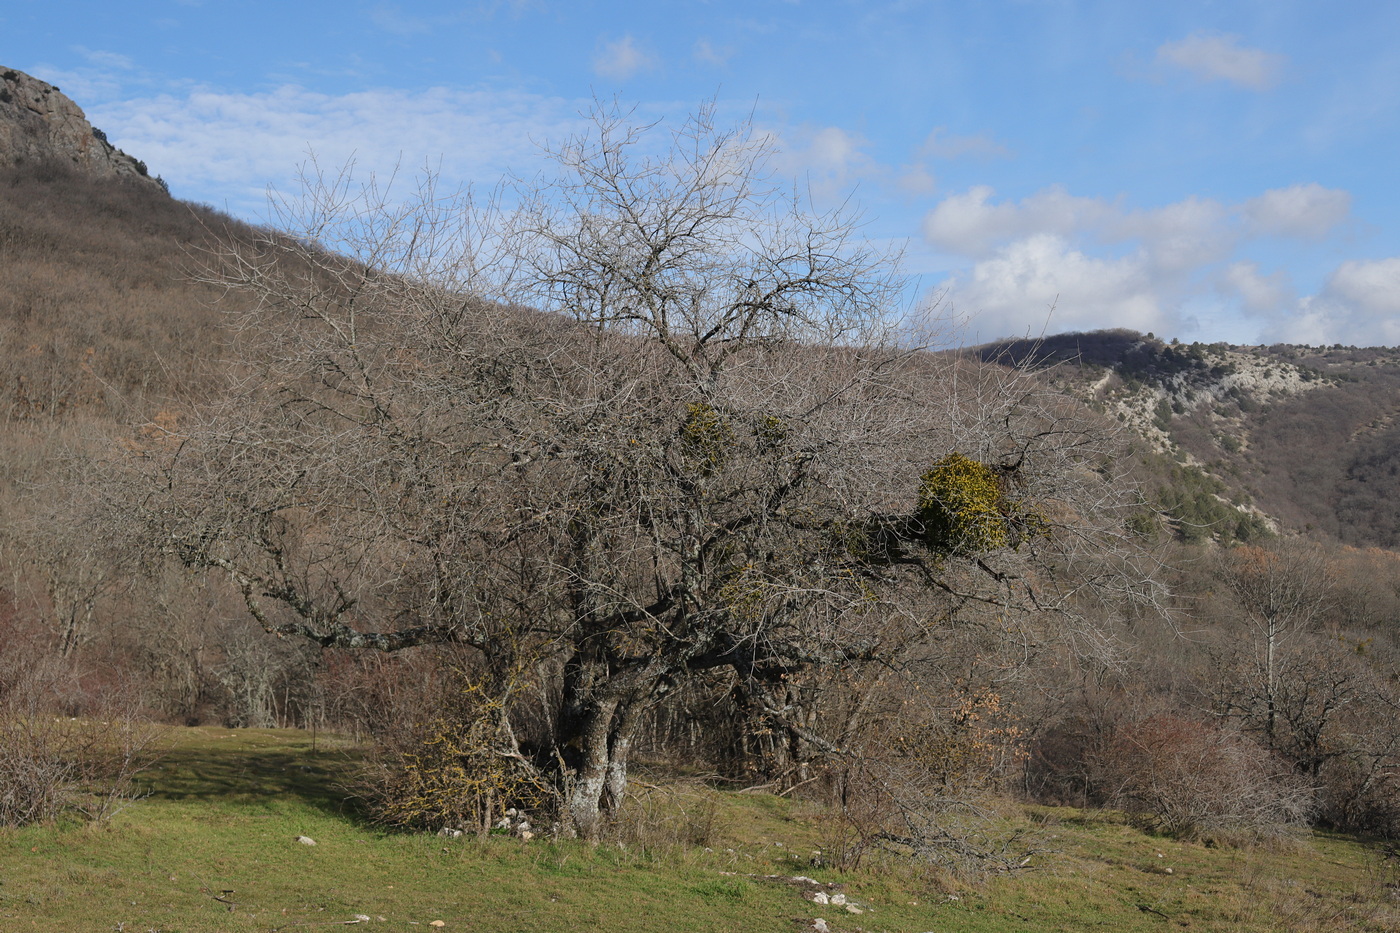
{"points": [[1362, 796], [116, 751], [38, 771], [667, 816], [1195, 780], [1059, 766], [52, 764], [926, 781]]}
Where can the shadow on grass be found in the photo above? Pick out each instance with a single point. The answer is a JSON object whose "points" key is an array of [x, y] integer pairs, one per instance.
{"points": [[257, 766]]}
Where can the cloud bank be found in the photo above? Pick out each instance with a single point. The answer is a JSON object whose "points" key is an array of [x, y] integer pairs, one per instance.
{"points": [[1099, 263]]}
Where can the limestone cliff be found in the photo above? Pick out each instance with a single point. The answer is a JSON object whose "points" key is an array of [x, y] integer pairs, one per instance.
{"points": [[39, 124]]}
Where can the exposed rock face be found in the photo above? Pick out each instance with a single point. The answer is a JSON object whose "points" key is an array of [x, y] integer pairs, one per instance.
{"points": [[39, 124]]}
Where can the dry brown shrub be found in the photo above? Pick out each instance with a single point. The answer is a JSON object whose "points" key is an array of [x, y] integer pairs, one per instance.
{"points": [[927, 782], [1198, 781], [53, 765]]}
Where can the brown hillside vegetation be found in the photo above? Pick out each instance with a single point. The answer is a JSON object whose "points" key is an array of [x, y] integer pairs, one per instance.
{"points": [[1330, 460], [1309, 437], [100, 311]]}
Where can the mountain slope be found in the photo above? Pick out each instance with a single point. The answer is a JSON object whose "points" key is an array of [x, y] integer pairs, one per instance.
{"points": [[1308, 438]]}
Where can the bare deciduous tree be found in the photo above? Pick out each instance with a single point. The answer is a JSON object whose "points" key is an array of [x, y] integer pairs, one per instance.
{"points": [[649, 423], [1282, 590]]}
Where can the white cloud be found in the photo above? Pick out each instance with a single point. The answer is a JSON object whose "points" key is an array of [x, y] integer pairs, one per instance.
{"points": [[828, 159], [1222, 58], [1104, 264], [228, 148], [103, 59], [1180, 236], [1372, 287], [706, 53], [83, 86], [1309, 211], [621, 59], [917, 180], [1260, 294], [1012, 294], [940, 145], [1359, 306], [969, 225]]}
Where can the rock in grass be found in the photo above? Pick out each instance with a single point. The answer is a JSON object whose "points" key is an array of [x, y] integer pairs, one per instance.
{"points": [[306, 840]]}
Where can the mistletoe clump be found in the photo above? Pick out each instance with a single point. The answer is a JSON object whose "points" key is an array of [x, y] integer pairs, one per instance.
{"points": [[964, 508]]}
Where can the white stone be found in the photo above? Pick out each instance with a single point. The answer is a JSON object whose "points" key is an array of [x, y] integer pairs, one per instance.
{"points": [[820, 898], [306, 840]]}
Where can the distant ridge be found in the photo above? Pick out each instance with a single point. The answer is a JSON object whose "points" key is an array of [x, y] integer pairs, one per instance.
{"points": [[39, 125]]}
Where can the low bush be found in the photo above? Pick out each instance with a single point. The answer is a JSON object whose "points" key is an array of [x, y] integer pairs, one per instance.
{"points": [[54, 766], [1197, 781], [39, 770], [456, 764]]}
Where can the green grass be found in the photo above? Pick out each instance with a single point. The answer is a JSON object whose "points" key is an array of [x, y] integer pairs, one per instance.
{"points": [[212, 848]]}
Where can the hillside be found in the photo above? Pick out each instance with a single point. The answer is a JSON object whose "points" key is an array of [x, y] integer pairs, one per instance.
{"points": [[103, 315], [1234, 440]]}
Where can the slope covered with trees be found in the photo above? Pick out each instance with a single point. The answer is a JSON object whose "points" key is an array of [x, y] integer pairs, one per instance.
{"points": [[1282, 438]]}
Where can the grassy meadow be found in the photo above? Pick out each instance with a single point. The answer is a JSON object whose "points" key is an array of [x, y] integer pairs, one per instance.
{"points": [[212, 846]]}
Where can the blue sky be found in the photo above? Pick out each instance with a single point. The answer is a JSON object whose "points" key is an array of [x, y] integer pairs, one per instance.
{"points": [[1205, 170]]}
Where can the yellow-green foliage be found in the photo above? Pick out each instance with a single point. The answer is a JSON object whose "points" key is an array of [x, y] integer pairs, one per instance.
{"points": [[772, 430], [456, 775], [745, 595], [707, 436], [963, 506]]}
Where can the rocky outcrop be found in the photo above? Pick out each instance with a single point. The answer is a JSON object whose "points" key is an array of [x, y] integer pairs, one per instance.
{"points": [[38, 124]]}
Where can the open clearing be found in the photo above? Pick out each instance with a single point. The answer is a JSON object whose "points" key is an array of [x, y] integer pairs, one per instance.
{"points": [[213, 848]]}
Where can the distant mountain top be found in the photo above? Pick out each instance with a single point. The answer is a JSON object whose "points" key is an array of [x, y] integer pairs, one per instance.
{"points": [[38, 124], [1235, 440]]}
